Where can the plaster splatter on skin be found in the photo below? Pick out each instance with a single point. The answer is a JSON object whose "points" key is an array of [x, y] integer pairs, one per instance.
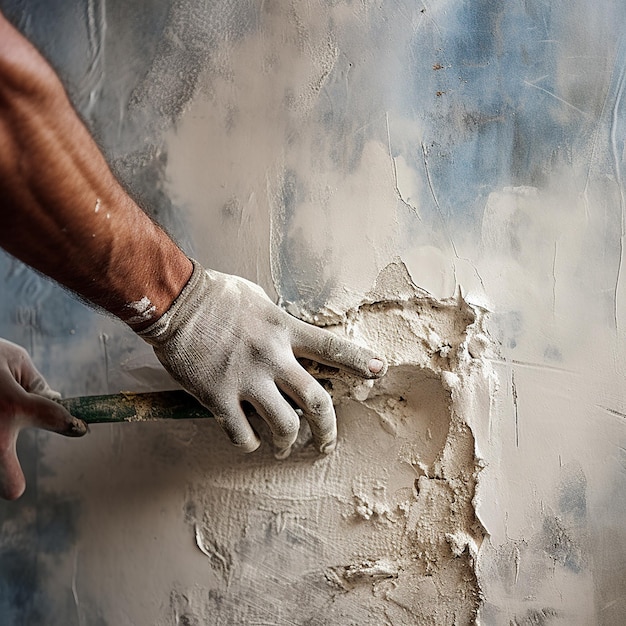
{"points": [[144, 311], [383, 530]]}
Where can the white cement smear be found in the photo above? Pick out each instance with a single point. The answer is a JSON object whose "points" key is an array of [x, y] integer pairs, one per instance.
{"points": [[144, 310], [384, 530]]}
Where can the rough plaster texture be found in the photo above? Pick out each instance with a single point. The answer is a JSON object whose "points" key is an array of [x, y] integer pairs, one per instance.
{"points": [[307, 146], [383, 531]]}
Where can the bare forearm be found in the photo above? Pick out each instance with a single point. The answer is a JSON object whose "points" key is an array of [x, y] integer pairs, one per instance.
{"points": [[61, 209], [222, 338]]}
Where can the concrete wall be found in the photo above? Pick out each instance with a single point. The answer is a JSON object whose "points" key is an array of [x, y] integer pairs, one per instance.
{"points": [[443, 179]]}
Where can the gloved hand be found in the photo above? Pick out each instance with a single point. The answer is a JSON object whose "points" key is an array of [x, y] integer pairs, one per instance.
{"points": [[25, 400], [226, 342]]}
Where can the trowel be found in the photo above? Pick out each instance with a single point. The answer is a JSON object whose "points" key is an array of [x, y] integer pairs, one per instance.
{"points": [[136, 407]]}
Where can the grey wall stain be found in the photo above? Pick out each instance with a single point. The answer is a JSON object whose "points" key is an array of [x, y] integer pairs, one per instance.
{"points": [[190, 35], [561, 546], [573, 493], [564, 534], [535, 617], [33, 535]]}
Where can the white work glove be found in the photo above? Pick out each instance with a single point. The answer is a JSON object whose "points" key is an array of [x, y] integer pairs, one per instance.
{"points": [[26, 400], [226, 342]]}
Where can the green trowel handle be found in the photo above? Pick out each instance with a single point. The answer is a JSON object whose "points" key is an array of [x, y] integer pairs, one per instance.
{"points": [[136, 407]]}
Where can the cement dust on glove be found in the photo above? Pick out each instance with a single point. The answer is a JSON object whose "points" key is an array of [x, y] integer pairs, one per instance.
{"points": [[227, 343]]}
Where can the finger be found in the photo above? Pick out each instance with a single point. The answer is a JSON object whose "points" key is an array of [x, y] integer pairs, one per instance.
{"points": [[40, 387], [33, 382], [316, 404], [43, 413], [234, 423], [29, 377], [12, 481], [278, 415], [325, 347]]}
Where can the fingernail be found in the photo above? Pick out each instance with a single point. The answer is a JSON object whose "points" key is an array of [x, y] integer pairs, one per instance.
{"points": [[250, 445], [375, 366]]}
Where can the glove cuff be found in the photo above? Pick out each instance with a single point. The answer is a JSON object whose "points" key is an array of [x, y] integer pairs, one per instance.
{"points": [[161, 331]]}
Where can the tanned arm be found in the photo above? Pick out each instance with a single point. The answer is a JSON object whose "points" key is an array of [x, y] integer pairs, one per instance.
{"points": [[62, 211], [219, 336]]}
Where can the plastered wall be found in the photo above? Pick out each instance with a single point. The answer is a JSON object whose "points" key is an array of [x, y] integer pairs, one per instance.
{"points": [[441, 179]]}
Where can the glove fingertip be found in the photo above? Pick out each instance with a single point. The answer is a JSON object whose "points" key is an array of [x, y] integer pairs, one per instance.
{"points": [[249, 445], [282, 454], [328, 447]]}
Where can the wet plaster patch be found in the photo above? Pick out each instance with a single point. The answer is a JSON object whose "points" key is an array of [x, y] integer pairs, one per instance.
{"points": [[384, 530]]}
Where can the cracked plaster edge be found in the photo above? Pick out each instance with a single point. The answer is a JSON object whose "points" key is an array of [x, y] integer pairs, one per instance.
{"points": [[472, 386]]}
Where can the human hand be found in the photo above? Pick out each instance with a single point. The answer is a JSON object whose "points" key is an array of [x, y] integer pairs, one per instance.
{"points": [[26, 400], [226, 342]]}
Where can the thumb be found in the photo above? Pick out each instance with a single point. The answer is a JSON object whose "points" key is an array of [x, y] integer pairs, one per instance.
{"points": [[49, 415], [12, 481]]}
